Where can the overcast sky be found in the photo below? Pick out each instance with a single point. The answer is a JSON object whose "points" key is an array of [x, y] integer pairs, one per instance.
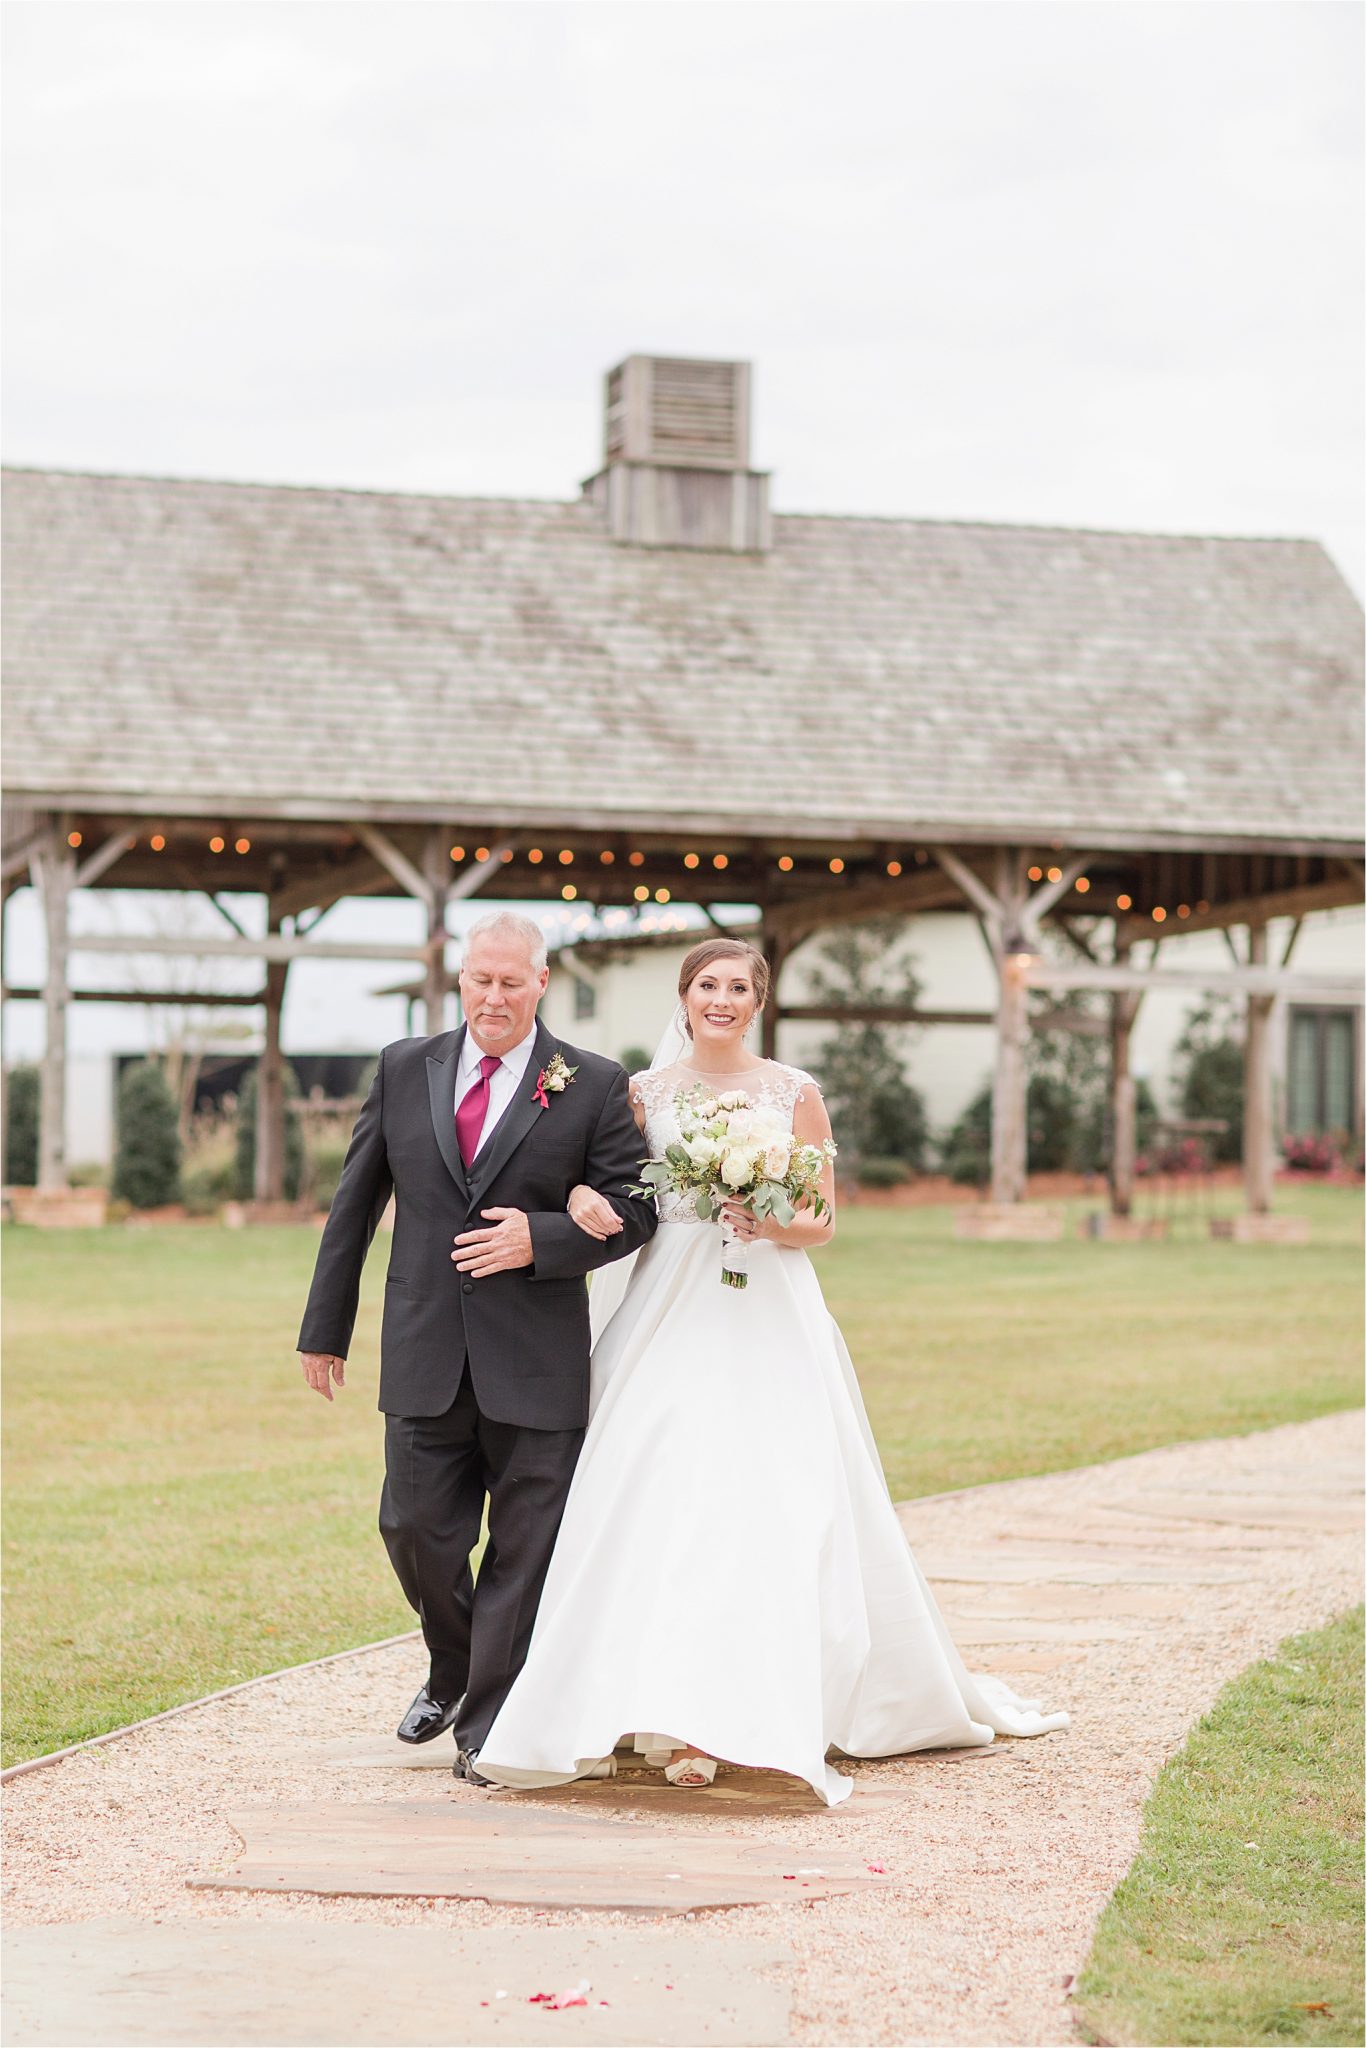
{"points": [[1094, 264]]}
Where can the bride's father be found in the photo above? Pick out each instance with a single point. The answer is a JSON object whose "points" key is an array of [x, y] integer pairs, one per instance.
{"points": [[480, 1134]]}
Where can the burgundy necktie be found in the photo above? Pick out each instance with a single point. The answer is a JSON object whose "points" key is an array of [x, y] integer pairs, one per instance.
{"points": [[469, 1117]]}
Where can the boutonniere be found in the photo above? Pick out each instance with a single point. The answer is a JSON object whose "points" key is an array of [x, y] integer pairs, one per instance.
{"points": [[553, 1080]]}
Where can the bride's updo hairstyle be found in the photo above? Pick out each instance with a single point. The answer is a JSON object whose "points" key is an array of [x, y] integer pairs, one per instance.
{"points": [[709, 950]]}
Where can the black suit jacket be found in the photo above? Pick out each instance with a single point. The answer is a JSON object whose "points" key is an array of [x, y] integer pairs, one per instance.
{"points": [[524, 1333]]}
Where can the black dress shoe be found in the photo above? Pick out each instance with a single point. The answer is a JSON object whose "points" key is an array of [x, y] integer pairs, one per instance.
{"points": [[465, 1760], [427, 1717]]}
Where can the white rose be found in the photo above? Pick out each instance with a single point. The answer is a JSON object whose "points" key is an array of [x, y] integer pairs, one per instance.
{"points": [[734, 1098], [740, 1126], [736, 1170], [703, 1153], [775, 1160]]}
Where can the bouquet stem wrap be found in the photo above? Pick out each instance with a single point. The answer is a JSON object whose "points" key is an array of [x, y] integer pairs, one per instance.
{"points": [[734, 1257]]}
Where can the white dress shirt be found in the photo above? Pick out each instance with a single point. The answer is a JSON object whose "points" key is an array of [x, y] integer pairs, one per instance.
{"points": [[503, 1082]]}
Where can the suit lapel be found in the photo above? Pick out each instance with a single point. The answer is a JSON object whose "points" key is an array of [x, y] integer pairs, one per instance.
{"points": [[441, 1076], [519, 1116]]}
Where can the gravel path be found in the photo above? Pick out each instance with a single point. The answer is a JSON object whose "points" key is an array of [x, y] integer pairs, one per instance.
{"points": [[1128, 1592]]}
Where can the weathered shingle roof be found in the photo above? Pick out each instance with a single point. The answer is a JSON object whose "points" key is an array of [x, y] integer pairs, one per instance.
{"points": [[318, 652]]}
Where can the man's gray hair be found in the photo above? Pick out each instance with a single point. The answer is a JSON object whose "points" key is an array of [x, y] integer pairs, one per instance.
{"points": [[506, 924]]}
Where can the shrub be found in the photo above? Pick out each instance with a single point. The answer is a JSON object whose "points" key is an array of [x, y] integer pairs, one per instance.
{"points": [[876, 1172], [326, 1159], [245, 1173], [147, 1160], [208, 1181], [88, 1174], [635, 1059], [967, 1149], [21, 1127]]}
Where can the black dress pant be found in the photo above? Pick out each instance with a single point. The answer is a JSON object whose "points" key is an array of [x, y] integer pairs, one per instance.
{"points": [[438, 1470]]}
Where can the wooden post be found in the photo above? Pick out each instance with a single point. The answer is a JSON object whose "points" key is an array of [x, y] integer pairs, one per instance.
{"points": [[436, 876], [54, 869], [270, 1081], [1009, 1123], [1123, 1094], [776, 949], [1258, 1129]]}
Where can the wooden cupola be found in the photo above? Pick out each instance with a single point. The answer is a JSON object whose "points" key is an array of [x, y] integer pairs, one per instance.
{"points": [[676, 468]]}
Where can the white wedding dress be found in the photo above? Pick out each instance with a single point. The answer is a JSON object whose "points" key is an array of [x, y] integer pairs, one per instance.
{"points": [[730, 1574]]}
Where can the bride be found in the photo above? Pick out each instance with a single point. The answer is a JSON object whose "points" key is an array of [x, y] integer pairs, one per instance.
{"points": [[730, 1579]]}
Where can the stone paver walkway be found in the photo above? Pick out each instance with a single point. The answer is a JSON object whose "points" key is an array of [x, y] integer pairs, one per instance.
{"points": [[152, 1881]]}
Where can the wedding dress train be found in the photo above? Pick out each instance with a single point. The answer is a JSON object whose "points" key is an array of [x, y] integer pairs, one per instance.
{"points": [[730, 1573]]}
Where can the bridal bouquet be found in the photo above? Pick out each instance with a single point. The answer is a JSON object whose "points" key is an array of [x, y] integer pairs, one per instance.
{"points": [[730, 1149]]}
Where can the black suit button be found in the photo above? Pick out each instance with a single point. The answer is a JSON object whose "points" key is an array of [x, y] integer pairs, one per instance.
{"points": [[467, 1287]]}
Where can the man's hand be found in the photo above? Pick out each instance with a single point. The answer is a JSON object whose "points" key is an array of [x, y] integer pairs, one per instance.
{"points": [[320, 1368], [500, 1250]]}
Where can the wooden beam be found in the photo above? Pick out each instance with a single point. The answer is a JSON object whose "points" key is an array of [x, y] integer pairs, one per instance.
{"points": [[89, 871], [471, 880], [1310, 986], [1258, 1126], [212, 1000], [1123, 1091], [275, 947], [436, 890], [270, 1082], [971, 884], [880, 1013], [391, 857], [54, 870], [1328, 895], [1041, 902]]}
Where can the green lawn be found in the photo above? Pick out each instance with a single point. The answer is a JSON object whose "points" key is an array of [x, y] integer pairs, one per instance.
{"points": [[183, 1514], [1240, 1918]]}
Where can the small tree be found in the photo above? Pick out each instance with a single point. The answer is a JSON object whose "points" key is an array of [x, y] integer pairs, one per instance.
{"points": [[246, 1138], [21, 1127], [147, 1160], [875, 1111], [1209, 1065]]}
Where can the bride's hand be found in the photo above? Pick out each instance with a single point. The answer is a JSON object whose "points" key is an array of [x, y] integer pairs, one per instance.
{"points": [[743, 1223], [594, 1213]]}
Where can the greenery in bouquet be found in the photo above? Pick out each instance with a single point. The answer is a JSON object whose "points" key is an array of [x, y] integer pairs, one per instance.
{"points": [[730, 1149]]}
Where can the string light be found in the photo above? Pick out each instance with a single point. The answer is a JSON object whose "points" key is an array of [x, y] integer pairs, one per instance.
{"points": [[661, 895], [535, 855], [786, 863], [242, 845], [1159, 914], [156, 842], [637, 860], [1055, 874], [73, 838], [607, 857], [1036, 874], [1124, 902], [837, 866], [569, 892], [216, 845], [720, 860], [641, 894], [1082, 885], [690, 860], [566, 856], [506, 854], [1183, 910], [894, 867], [457, 853], [1201, 907], [481, 853]]}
